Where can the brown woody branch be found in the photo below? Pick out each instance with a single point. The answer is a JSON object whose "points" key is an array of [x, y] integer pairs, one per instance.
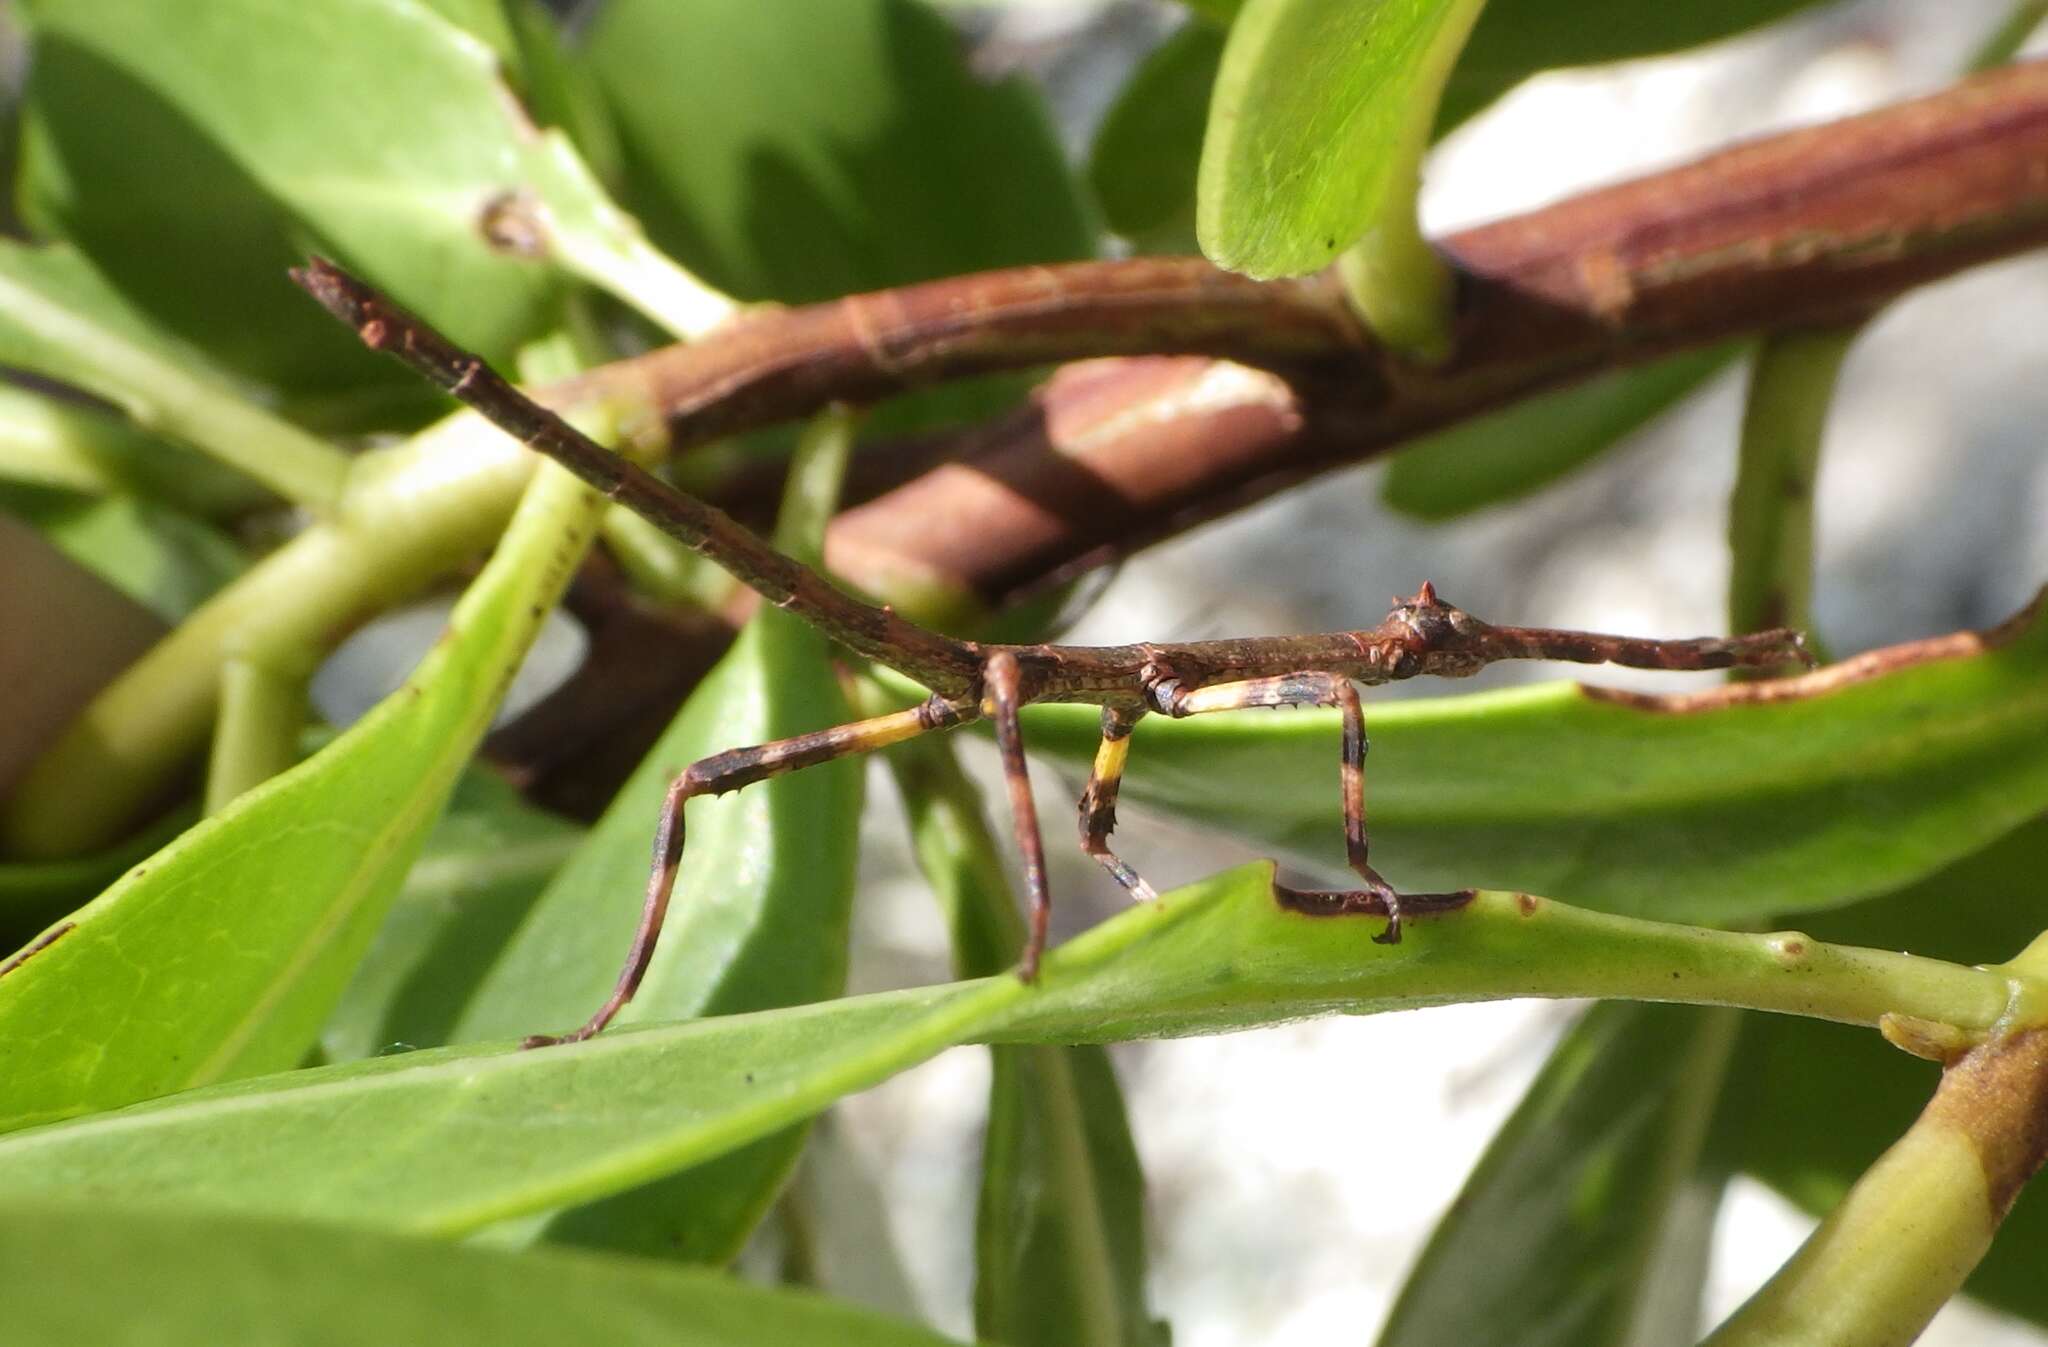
{"points": [[1813, 226]]}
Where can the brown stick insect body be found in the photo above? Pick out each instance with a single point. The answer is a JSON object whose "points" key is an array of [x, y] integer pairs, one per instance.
{"points": [[971, 680]]}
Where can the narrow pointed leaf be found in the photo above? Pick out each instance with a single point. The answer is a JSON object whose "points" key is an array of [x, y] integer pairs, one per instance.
{"points": [[1509, 453], [1059, 1238], [121, 1278], [1581, 1196], [220, 955], [1726, 805], [447, 1140]]}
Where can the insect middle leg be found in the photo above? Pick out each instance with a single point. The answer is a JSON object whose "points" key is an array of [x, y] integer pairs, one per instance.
{"points": [[720, 774], [1098, 802], [1312, 689]]}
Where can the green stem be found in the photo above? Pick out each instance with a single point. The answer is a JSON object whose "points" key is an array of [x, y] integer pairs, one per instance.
{"points": [[1399, 285], [1914, 1227], [1280, 964], [410, 514], [2007, 39], [607, 248], [262, 709], [664, 567], [45, 442], [1395, 280], [301, 467], [1770, 516], [811, 495], [1034, 1094]]}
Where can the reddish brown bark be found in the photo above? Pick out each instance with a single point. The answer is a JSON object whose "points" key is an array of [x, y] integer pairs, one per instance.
{"points": [[1812, 226]]}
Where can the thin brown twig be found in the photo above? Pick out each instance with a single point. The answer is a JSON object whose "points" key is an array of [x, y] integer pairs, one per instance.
{"points": [[1421, 636], [1811, 226]]}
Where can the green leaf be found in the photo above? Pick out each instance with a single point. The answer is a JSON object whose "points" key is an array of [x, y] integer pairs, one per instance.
{"points": [[1720, 813], [1582, 1211], [121, 1278], [1149, 145], [479, 873], [1059, 1229], [446, 1140], [1836, 1100], [62, 319], [1320, 117], [35, 893], [221, 955], [833, 146], [759, 919], [159, 556], [196, 161], [1521, 448], [1515, 39]]}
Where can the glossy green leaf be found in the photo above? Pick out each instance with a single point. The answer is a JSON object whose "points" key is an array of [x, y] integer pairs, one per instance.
{"points": [[478, 875], [1059, 1237], [447, 1140], [1319, 120], [1721, 813], [761, 911], [123, 1278], [154, 142], [62, 319], [1521, 448], [1581, 1213], [832, 146], [1146, 152], [220, 955], [1515, 39], [1829, 1101]]}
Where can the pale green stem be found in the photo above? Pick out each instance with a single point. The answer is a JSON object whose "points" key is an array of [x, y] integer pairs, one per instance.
{"points": [[1914, 1227], [811, 495], [45, 442], [1399, 285], [298, 466], [1770, 515], [410, 514], [2006, 41], [607, 248], [960, 860], [262, 710], [1395, 280], [955, 849], [664, 567], [1507, 945]]}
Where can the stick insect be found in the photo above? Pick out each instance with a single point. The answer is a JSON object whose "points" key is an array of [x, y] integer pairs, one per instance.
{"points": [[971, 680]]}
